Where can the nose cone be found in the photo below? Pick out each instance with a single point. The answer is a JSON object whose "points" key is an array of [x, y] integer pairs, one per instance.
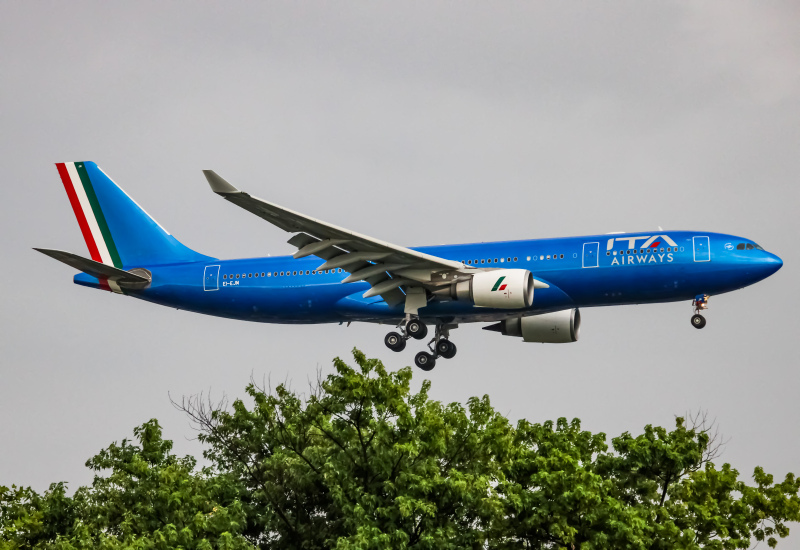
{"points": [[769, 264]]}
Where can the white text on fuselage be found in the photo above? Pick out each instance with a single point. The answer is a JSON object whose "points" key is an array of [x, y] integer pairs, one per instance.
{"points": [[649, 252], [636, 259]]}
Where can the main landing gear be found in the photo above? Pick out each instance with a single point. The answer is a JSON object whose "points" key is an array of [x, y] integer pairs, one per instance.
{"points": [[439, 346], [700, 303]]}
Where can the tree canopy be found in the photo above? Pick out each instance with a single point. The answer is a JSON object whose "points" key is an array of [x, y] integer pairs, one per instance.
{"points": [[361, 461]]}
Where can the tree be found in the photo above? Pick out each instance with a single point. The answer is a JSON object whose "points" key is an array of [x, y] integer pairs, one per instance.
{"points": [[150, 499], [362, 462]]}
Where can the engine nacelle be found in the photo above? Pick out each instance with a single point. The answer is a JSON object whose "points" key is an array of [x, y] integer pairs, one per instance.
{"points": [[549, 328], [501, 289]]}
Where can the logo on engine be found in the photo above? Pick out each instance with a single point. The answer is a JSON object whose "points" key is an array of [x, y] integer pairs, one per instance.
{"points": [[499, 284]]}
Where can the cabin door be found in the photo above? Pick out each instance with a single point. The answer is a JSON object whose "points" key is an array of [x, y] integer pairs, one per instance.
{"points": [[211, 278], [701, 249], [590, 254]]}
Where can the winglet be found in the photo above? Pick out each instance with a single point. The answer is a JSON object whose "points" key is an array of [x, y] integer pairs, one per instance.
{"points": [[218, 184]]}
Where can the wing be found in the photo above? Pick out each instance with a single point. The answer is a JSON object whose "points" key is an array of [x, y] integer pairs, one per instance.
{"points": [[388, 268]]}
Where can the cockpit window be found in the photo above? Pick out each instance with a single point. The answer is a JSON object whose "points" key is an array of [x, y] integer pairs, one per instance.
{"points": [[740, 246], [758, 247], [750, 246]]}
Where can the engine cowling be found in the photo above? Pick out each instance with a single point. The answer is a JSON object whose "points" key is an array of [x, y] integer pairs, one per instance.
{"points": [[501, 289], [559, 327]]}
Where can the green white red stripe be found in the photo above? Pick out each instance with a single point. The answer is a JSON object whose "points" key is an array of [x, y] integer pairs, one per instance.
{"points": [[90, 217]]}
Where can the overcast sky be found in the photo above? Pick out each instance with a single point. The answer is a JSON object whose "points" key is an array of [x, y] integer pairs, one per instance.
{"points": [[420, 123]]}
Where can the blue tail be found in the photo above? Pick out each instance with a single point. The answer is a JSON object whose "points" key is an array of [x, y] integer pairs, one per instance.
{"points": [[117, 230]]}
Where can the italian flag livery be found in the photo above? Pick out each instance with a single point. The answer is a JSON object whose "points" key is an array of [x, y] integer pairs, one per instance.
{"points": [[90, 217]]}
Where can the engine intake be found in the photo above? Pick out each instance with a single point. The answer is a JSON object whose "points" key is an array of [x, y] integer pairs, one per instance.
{"points": [[559, 327], [500, 288]]}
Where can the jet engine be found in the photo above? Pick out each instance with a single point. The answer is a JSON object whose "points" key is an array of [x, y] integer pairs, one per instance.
{"points": [[549, 328], [500, 288]]}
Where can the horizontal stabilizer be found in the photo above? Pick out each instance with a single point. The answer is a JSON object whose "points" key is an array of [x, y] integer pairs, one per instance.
{"points": [[95, 269]]}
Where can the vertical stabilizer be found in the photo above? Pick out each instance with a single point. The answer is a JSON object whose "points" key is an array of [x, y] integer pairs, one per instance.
{"points": [[118, 232]]}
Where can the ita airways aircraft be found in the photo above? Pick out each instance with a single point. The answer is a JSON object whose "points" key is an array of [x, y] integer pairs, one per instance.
{"points": [[530, 289]]}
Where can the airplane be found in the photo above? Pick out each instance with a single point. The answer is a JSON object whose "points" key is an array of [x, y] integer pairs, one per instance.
{"points": [[529, 289]]}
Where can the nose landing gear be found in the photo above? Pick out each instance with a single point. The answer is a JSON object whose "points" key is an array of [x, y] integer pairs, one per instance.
{"points": [[700, 303]]}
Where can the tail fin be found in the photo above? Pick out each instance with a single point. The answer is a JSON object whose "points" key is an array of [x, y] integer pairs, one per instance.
{"points": [[118, 232]]}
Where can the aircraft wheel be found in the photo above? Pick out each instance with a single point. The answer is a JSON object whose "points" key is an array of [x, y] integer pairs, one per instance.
{"points": [[451, 352], [394, 342], [698, 321], [425, 361], [446, 348], [417, 329]]}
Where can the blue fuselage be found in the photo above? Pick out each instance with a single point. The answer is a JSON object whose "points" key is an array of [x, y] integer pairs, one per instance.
{"points": [[599, 270]]}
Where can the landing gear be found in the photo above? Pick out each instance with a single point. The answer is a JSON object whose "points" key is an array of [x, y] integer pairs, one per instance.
{"points": [[439, 346], [700, 303], [395, 341], [425, 361]]}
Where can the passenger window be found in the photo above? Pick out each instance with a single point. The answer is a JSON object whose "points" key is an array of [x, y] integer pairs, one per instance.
{"points": [[501, 260], [662, 249], [256, 274], [306, 272], [469, 262], [237, 275], [224, 276], [483, 261], [508, 259], [262, 273], [548, 256], [529, 258], [750, 246], [562, 256], [515, 258], [608, 253]]}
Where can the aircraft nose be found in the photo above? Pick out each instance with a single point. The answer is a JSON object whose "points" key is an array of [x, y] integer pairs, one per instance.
{"points": [[770, 263]]}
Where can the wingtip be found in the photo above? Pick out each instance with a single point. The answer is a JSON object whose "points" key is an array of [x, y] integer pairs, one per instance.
{"points": [[218, 183]]}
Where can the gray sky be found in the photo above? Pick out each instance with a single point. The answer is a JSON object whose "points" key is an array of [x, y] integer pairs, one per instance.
{"points": [[425, 123]]}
